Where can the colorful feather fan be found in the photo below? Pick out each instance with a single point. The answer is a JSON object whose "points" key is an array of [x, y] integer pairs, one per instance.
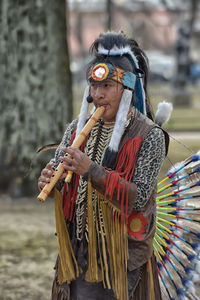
{"points": [[176, 241]]}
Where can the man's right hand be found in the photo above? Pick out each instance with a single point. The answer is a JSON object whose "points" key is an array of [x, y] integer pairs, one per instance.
{"points": [[45, 175]]}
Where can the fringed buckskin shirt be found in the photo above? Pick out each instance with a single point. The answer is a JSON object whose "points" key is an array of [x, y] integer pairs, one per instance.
{"points": [[140, 192]]}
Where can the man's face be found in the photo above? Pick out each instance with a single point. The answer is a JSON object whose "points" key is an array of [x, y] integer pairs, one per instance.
{"points": [[107, 93]]}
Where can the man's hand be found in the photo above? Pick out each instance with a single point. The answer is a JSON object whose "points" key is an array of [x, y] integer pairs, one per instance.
{"points": [[78, 163], [45, 176]]}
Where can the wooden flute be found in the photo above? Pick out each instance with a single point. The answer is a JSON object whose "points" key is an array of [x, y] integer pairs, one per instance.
{"points": [[76, 144]]}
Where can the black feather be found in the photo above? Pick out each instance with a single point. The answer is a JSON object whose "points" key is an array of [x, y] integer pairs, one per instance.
{"points": [[109, 159]]}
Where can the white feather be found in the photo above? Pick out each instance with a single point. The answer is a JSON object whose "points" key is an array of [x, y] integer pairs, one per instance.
{"points": [[115, 50], [183, 297], [197, 266], [121, 118], [179, 222], [179, 243], [179, 233], [182, 203], [163, 112], [191, 287], [195, 277], [83, 112]]}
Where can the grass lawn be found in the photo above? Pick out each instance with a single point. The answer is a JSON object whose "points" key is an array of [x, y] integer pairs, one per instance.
{"points": [[182, 118], [179, 150], [28, 249]]}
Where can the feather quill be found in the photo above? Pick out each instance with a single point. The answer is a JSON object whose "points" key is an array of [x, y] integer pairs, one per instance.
{"points": [[47, 147]]}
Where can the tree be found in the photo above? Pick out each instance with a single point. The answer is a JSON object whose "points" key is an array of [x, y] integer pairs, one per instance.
{"points": [[109, 9], [36, 87], [182, 48]]}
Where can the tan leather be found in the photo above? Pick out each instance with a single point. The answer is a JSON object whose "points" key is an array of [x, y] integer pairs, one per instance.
{"points": [[139, 250], [98, 175], [144, 288], [60, 292]]}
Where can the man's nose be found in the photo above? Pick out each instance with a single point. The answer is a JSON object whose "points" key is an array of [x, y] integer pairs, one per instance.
{"points": [[99, 92]]}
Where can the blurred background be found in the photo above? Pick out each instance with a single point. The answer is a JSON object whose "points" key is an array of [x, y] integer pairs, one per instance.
{"points": [[44, 52]]}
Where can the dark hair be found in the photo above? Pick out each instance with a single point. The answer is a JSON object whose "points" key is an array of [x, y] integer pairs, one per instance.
{"points": [[110, 39]]}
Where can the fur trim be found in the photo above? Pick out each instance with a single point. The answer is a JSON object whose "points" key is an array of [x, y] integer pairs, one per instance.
{"points": [[121, 118], [163, 112], [115, 50], [83, 112]]}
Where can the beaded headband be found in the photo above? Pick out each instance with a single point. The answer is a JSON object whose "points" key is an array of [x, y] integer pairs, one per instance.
{"points": [[103, 71]]}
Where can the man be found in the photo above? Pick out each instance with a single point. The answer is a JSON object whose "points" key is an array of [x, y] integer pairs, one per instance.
{"points": [[109, 206]]}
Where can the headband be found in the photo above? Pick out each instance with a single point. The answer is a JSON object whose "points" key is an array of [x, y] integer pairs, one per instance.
{"points": [[103, 71]]}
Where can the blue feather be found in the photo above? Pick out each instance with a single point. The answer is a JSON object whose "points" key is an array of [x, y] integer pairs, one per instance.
{"points": [[176, 212], [198, 170], [165, 249], [195, 246], [179, 292], [173, 204], [160, 266], [189, 271], [185, 282], [164, 258], [168, 242], [195, 157], [192, 258]]}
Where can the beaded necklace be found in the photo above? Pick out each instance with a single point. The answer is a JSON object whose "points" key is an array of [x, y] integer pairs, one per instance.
{"points": [[98, 141]]}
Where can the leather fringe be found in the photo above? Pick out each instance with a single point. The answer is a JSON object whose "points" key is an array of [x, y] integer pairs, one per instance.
{"points": [[93, 273], [112, 242], [107, 240], [147, 287], [60, 292], [67, 264], [152, 294], [125, 167]]}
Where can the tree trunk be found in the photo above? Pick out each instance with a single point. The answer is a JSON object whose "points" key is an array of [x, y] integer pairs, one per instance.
{"points": [[182, 51], [109, 8], [36, 87]]}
